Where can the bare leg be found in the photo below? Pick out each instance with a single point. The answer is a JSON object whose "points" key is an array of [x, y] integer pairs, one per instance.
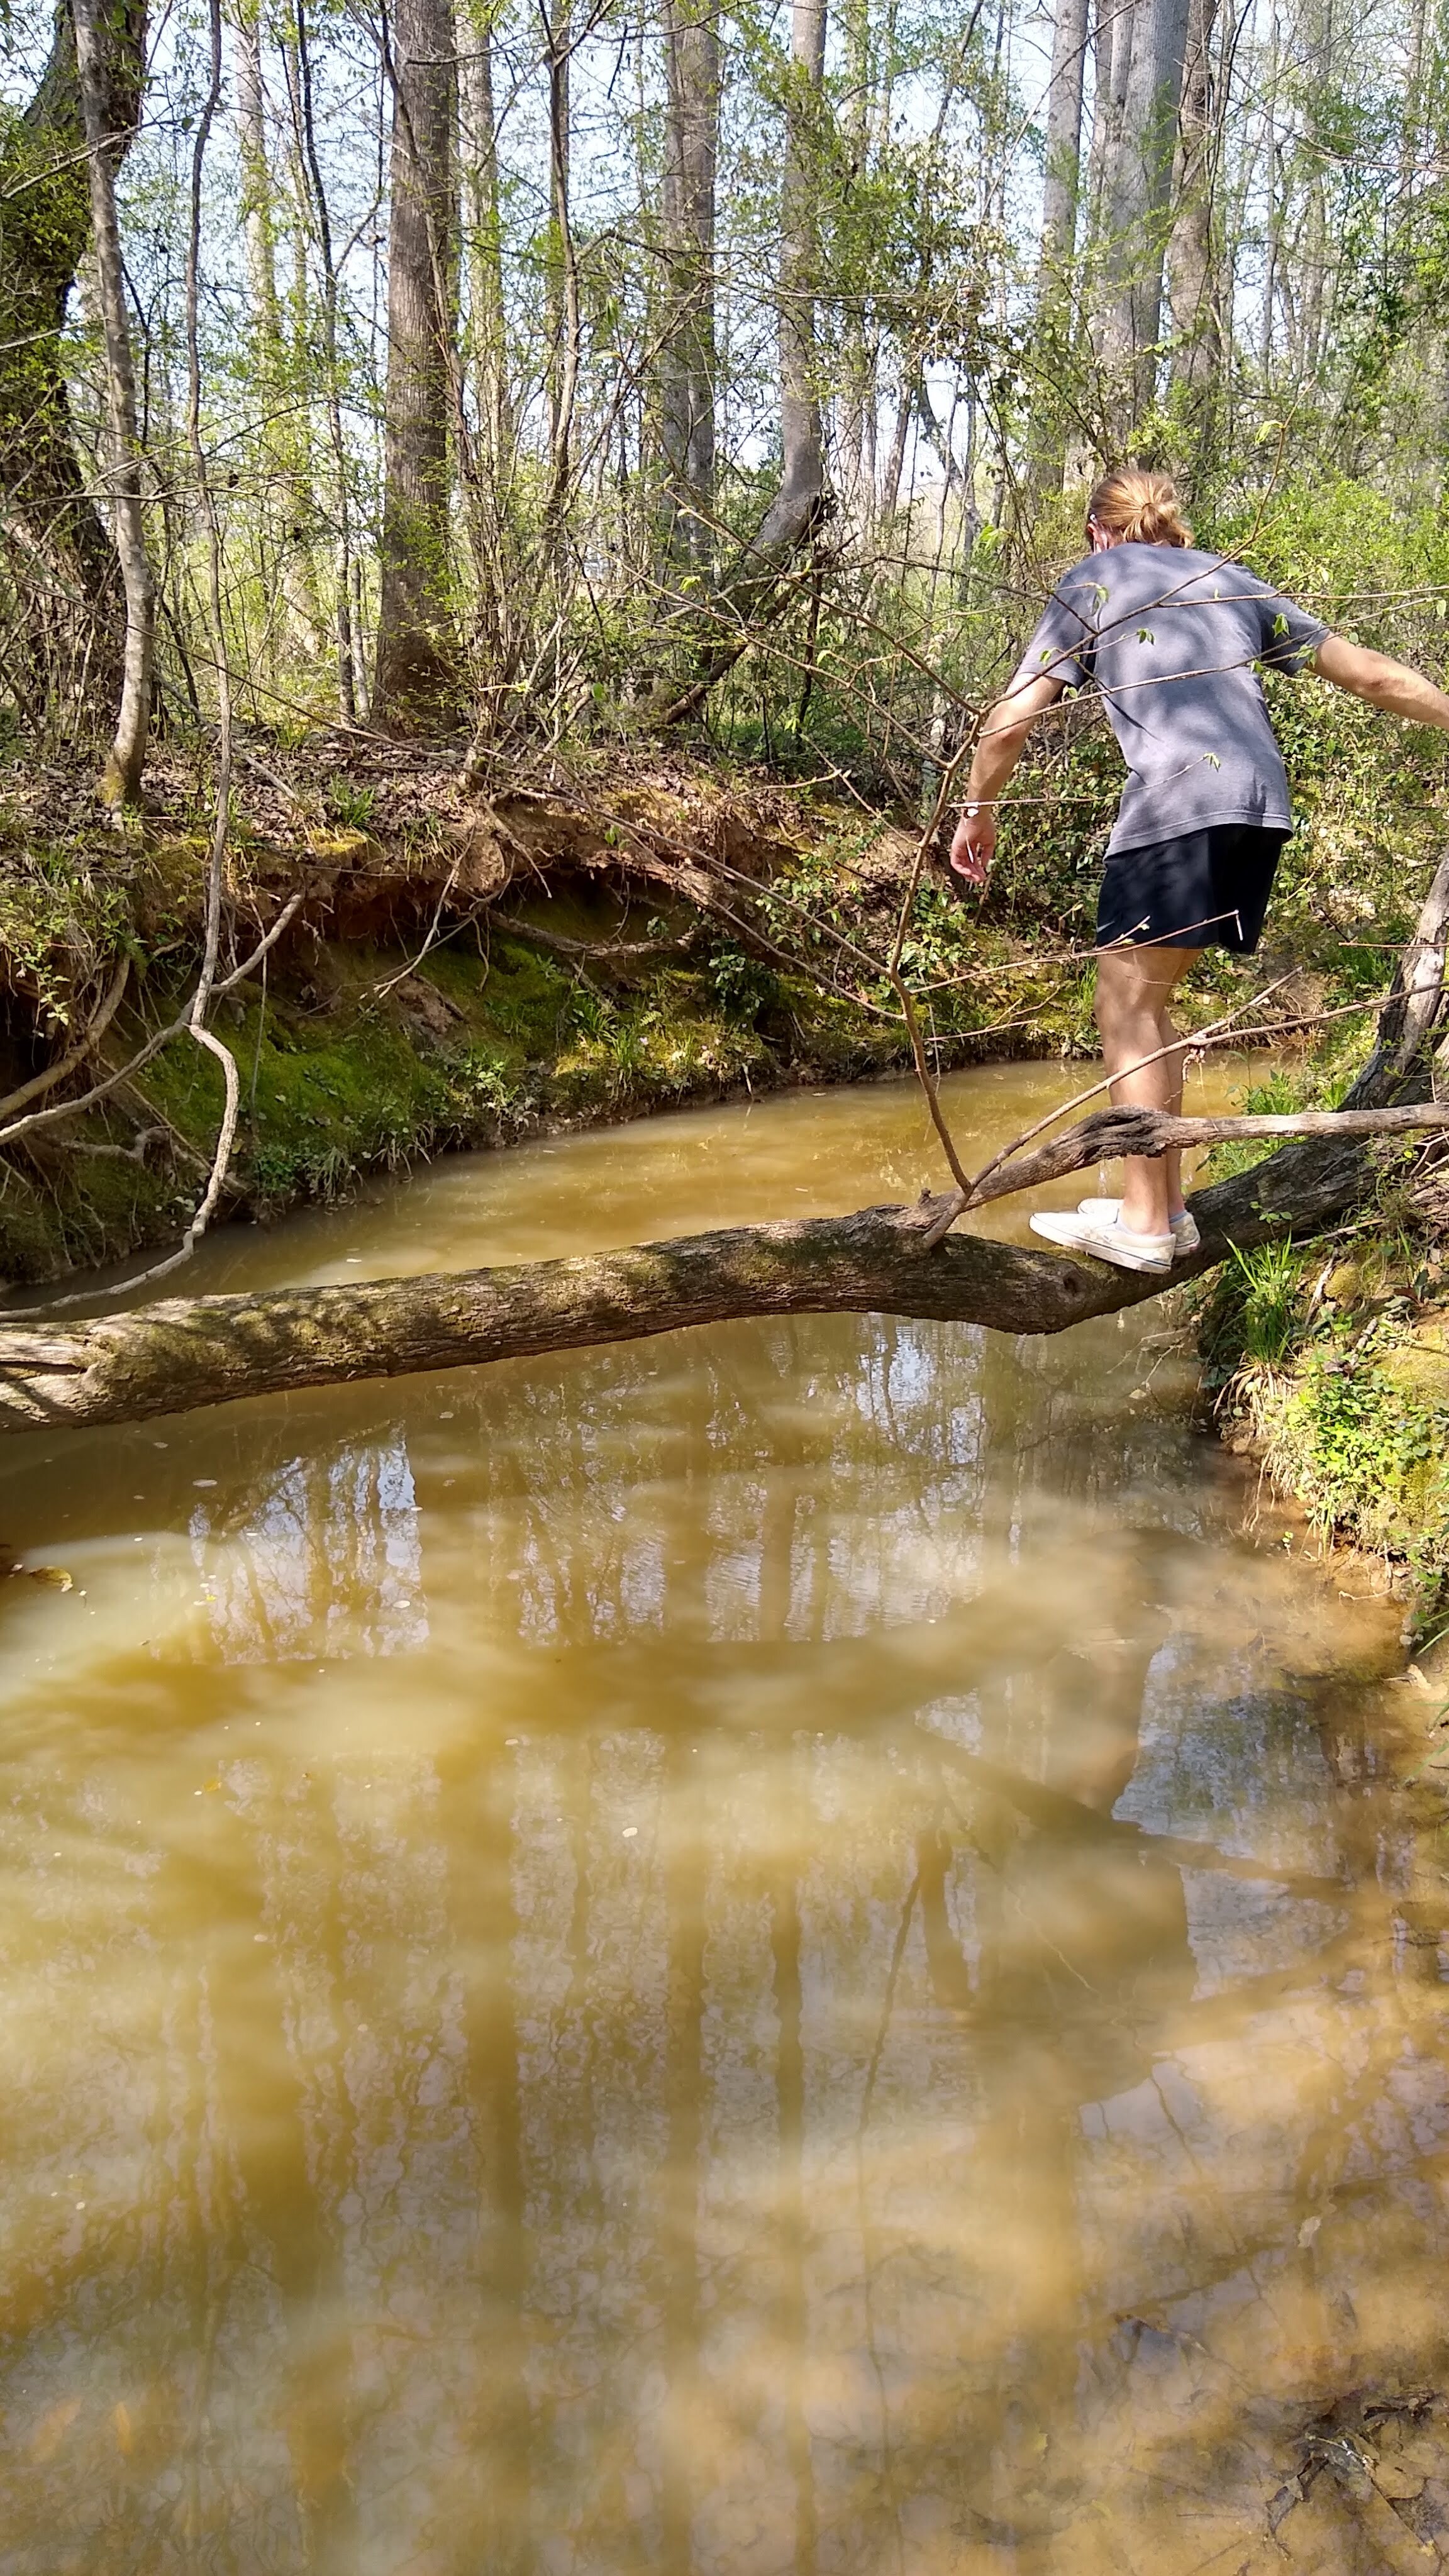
{"points": [[1133, 988], [1172, 1163]]}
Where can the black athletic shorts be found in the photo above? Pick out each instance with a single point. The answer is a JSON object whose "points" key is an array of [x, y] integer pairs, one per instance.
{"points": [[1206, 889]]}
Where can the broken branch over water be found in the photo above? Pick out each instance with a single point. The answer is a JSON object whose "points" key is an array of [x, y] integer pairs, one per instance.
{"points": [[1110, 1133]]}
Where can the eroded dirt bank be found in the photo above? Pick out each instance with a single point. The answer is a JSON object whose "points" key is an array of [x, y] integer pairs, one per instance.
{"points": [[465, 966]]}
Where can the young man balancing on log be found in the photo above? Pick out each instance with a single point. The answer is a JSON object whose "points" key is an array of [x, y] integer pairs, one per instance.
{"points": [[1172, 638]]}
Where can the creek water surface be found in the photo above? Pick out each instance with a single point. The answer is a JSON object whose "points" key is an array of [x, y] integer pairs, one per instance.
{"points": [[774, 1950]]}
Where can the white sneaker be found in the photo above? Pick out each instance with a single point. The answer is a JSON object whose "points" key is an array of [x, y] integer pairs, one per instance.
{"points": [[1185, 1236], [1107, 1240]]}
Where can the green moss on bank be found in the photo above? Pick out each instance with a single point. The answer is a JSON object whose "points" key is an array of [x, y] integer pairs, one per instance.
{"points": [[356, 1060], [1330, 1361]]}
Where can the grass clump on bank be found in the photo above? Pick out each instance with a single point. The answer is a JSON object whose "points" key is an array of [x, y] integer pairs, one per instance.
{"points": [[1331, 1361]]}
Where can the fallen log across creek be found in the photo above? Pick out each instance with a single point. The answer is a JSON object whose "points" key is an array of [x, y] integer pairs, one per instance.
{"points": [[183, 1353], [186, 1352]]}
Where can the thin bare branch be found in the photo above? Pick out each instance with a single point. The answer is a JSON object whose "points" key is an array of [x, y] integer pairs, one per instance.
{"points": [[1114, 1132]]}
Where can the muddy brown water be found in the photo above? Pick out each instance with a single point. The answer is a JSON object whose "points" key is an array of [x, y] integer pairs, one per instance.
{"points": [[783, 1949]]}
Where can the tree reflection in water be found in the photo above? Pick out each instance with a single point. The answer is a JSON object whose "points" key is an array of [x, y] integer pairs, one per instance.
{"points": [[752, 1955]]}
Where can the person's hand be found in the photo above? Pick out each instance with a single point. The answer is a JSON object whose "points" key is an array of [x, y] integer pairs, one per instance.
{"points": [[974, 845]]}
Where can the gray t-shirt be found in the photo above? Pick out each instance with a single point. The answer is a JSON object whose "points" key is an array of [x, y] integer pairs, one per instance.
{"points": [[1171, 637]]}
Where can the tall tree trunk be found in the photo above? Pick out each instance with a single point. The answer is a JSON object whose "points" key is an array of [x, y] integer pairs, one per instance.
{"points": [[65, 569], [895, 458], [1061, 184], [1148, 51], [1106, 116], [1193, 260], [1275, 191], [483, 235], [691, 151], [1061, 193], [121, 777], [1325, 76], [417, 663], [1111, 55], [258, 231], [487, 452], [288, 474], [753, 592], [314, 215], [858, 391], [565, 322], [796, 505]]}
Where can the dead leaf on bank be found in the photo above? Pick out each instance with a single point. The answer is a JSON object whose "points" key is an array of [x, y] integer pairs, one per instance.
{"points": [[1407, 2460], [485, 867], [52, 2429], [423, 1004], [1282, 2504], [1398, 2549], [1400, 2484]]}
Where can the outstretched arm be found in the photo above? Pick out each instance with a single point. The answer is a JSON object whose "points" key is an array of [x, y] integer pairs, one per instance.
{"points": [[998, 749], [1383, 682]]}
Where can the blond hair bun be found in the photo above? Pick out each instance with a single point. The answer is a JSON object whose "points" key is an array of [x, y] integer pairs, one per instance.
{"points": [[1139, 508]]}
